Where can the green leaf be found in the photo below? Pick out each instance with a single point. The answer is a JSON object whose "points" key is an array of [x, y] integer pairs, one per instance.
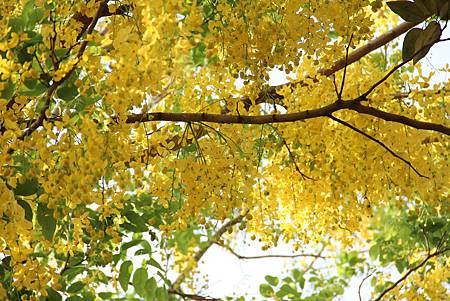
{"points": [[272, 280], [72, 272], [374, 251], [333, 35], [132, 243], [27, 188], [89, 296], [146, 246], [407, 10], [161, 294], [27, 208], [266, 290], [140, 277], [37, 90], [105, 295], [34, 17], [46, 221], [373, 281], [67, 92], [8, 91], [288, 289], [125, 274], [75, 298], [76, 287], [150, 288], [409, 43], [17, 24], [53, 295], [426, 39], [82, 102], [444, 12], [198, 54], [30, 83], [155, 264], [400, 265], [299, 277]]}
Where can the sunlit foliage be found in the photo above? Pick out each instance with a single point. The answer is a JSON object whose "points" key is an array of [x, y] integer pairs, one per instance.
{"points": [[136, 134]]}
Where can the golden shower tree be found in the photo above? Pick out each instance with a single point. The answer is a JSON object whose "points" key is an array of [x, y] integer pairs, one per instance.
{"points": [[134, 135]]}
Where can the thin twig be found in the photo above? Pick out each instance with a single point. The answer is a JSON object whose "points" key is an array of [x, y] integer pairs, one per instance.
{"points": [[393, 286], [237, 255], [291, 155], [362, 282], [202, 156], [345, 69], [319, 255], [363, 97], [378, 142], [191, 296], [214, 239]]}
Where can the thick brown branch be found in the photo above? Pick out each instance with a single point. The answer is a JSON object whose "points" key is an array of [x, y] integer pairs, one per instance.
{"points": [[289, 117], [378, 142], [409, 272], [239, 119], [369, 47]]}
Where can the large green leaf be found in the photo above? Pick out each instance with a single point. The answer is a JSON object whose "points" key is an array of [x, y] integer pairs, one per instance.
{"points": [[72, 272], [137, 223], [67, 92], [53, 295], [27, 188], [76, 287], [426, 39], [161, 294], [408, 11], [28, 211], [150, 288], [266, 290], [125, 274], [140, 277], [409, 43]]}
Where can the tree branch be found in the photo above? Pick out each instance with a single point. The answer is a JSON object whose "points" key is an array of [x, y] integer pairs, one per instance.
{"points": [[38, 122], [420, 125], [378, 142], [409, 272], [202, 251], [270, 94], [362, 282], [271, 255], [288, 117], [369, 47], [191, 296]]}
